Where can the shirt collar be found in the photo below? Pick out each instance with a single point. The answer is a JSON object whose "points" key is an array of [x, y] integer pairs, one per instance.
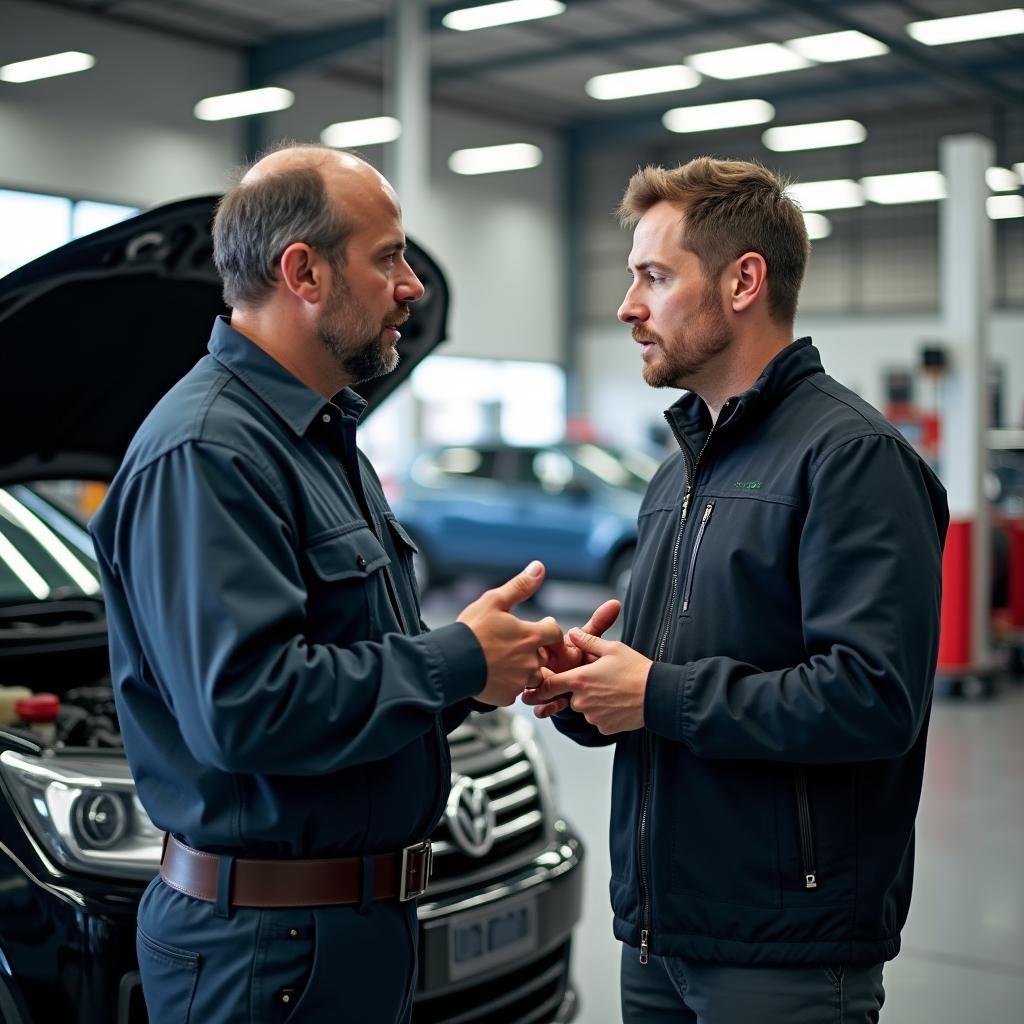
{"points": [[295, 402]]}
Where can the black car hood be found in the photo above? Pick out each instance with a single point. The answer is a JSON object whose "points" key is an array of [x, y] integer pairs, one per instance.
{"points": [[93, 333]]}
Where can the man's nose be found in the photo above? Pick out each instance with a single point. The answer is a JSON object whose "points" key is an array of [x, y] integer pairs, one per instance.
{"points": [[410, 287], [632, 312]]}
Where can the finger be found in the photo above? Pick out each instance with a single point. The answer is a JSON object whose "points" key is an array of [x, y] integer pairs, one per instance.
{"points": [[549, 632], [519, 588], [551, 708], [603, 619], [591, 644], [546, 690]]}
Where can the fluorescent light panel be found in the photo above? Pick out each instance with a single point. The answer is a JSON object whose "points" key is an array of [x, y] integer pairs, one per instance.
{"points": [[514, 156], [243, 104], [711, 116], [368, 131], [747, 61], [818, 225], [837, 46], [915, 187], [835, 194], [962, 29], [55, 64], [819, 135], [1004, 207], [469, 19], [1002, 179], [642, 82]]}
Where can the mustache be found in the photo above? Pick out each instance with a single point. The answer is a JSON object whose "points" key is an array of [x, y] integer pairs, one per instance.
{"points": [[401, 314], [639, 334]]}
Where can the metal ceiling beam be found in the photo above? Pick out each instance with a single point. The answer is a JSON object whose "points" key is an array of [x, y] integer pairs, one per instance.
{"points": [[646, 122], [954, 74], [292, 52]]}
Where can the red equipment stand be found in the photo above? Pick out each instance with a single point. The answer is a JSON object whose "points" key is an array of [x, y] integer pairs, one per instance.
{"points": [[1008, 622], [960, 672]]}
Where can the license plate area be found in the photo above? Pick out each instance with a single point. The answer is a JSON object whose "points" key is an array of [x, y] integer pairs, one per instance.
{"points": [[483, 939]]}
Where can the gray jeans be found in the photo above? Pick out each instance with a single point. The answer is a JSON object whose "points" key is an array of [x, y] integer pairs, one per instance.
{"points": [[669, 990]]}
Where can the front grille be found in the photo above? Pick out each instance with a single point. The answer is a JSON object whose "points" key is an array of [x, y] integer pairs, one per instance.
{"points": [[508, 778], [531, 994]]}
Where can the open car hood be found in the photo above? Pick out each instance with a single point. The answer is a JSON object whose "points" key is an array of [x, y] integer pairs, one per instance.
{"points": [[92, 334]]}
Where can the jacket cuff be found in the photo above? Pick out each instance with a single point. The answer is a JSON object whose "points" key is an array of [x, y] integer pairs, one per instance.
{"points": [[663, 701], [465, 667]]}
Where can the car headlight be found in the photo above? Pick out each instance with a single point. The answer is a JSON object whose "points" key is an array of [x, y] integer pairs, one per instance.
{"points": [[84, 812]]}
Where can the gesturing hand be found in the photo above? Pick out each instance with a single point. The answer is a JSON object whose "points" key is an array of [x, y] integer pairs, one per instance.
{"points": [[608, 689], [566, 655], [514, 649]]}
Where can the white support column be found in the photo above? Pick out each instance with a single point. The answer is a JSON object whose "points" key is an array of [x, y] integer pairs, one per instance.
{"points": [[966, 260], [408, 93]]}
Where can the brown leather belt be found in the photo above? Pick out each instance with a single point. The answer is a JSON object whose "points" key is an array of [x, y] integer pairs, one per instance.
{"points": [[319, 882]]}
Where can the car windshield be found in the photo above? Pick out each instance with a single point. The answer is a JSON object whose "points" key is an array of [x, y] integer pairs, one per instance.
{"points": [[626, 470], [45, 553]]}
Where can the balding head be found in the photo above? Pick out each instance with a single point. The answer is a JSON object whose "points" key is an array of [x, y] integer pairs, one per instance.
{"points": [[304, 193]]}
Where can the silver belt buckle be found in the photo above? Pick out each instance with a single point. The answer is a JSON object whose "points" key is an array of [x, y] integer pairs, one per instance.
{"points": [[418, 861]]}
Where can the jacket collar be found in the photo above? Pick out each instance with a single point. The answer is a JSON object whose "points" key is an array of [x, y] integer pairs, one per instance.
{"points": [[293, 401], [689, 416]]}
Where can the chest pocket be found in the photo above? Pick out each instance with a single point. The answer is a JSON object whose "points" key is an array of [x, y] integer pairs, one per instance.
{"points": [[347, 594]]}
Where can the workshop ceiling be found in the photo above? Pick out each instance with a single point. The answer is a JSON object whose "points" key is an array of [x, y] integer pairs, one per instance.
{"points": [[534, 72]]}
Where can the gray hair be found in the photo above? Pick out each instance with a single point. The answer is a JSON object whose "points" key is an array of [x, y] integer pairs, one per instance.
{"points": [[257, 220]]}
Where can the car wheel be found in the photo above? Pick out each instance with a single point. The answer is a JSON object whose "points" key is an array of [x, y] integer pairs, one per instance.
{"points": [[620, 572]]}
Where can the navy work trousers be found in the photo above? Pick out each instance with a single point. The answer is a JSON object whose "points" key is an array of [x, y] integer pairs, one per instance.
{"points": [[669, 990], [305, 965]]}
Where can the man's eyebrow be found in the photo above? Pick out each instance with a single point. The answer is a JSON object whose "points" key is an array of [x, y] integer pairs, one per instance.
{"points": [[647, 265]]}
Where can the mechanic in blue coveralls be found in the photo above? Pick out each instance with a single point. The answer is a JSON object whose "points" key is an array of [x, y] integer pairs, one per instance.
{"points": [[283, 708]]}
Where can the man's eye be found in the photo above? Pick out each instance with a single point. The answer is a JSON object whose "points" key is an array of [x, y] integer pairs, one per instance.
{"points": [[655, 278]]}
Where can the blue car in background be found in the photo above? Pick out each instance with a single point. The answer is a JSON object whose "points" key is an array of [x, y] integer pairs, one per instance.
{"points": [[488, 509]]}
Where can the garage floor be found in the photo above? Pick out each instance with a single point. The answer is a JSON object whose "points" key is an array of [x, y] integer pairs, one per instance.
{"points": [[963, 947]]}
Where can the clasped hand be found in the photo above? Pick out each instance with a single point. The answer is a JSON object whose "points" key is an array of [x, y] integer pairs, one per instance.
{"points": [[605, 681]]}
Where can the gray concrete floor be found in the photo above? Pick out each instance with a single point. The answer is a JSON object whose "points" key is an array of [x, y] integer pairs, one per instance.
{"points": [[963, 946]]}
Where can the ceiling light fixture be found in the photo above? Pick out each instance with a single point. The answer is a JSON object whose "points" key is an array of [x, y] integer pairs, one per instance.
{"points": [[1004, 207], [55, 64], [1002, 179], [915, 187], [642, 82], [515, 156], [710, 117], [469, 19], [368, 131], [243, 104], [835, 194], [818, 225], [819, 135], [962, 29], [747, 61], [837, 46]]}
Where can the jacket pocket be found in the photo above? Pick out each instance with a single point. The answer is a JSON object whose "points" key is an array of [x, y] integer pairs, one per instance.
{"points": [[347, 593], [406, 548], [806, 827], [691, 566], [169, 977]]}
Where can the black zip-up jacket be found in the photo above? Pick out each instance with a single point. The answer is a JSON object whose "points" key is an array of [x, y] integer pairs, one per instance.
{"points": [[787, 586]]}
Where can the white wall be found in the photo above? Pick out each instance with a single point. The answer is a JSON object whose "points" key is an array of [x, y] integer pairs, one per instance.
{"points": [[124, 132]]}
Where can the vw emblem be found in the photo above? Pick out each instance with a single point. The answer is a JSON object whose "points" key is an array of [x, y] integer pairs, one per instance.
{"points": [[470, 817]]}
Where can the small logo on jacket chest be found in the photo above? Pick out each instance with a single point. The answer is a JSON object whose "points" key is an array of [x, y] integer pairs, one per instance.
{"points": [[748, 485]]}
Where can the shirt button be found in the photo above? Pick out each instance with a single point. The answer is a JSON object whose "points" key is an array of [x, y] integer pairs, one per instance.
{"points": [[360, 561], [293, 933], [326, 417], [287, 995]]}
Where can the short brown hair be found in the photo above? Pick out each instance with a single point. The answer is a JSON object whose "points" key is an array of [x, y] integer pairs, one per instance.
{"points": [[257, 220], [730, 207]]}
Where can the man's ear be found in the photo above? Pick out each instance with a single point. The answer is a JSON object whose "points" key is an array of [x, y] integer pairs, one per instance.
{"points": [[748, 281], [304, 272]]}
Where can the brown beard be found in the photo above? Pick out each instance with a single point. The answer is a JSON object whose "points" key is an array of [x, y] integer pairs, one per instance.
{"points": [[683, 358]]}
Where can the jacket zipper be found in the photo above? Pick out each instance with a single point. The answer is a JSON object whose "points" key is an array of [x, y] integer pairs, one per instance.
{"points": [[645, 889], [688, 588], [803, 811]]}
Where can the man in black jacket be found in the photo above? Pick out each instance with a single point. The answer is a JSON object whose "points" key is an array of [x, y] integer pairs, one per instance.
{"points": [[282, 705], [770, 696]]}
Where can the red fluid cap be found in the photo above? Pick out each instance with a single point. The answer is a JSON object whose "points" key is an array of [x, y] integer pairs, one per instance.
{"points": [[40, 707]]}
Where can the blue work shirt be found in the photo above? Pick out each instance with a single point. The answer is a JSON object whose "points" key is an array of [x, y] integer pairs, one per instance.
{"points": [[278, 694]]}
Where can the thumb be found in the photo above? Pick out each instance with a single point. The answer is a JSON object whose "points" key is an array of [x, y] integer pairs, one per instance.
{"points": [[520, 587], [591, 644]]}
